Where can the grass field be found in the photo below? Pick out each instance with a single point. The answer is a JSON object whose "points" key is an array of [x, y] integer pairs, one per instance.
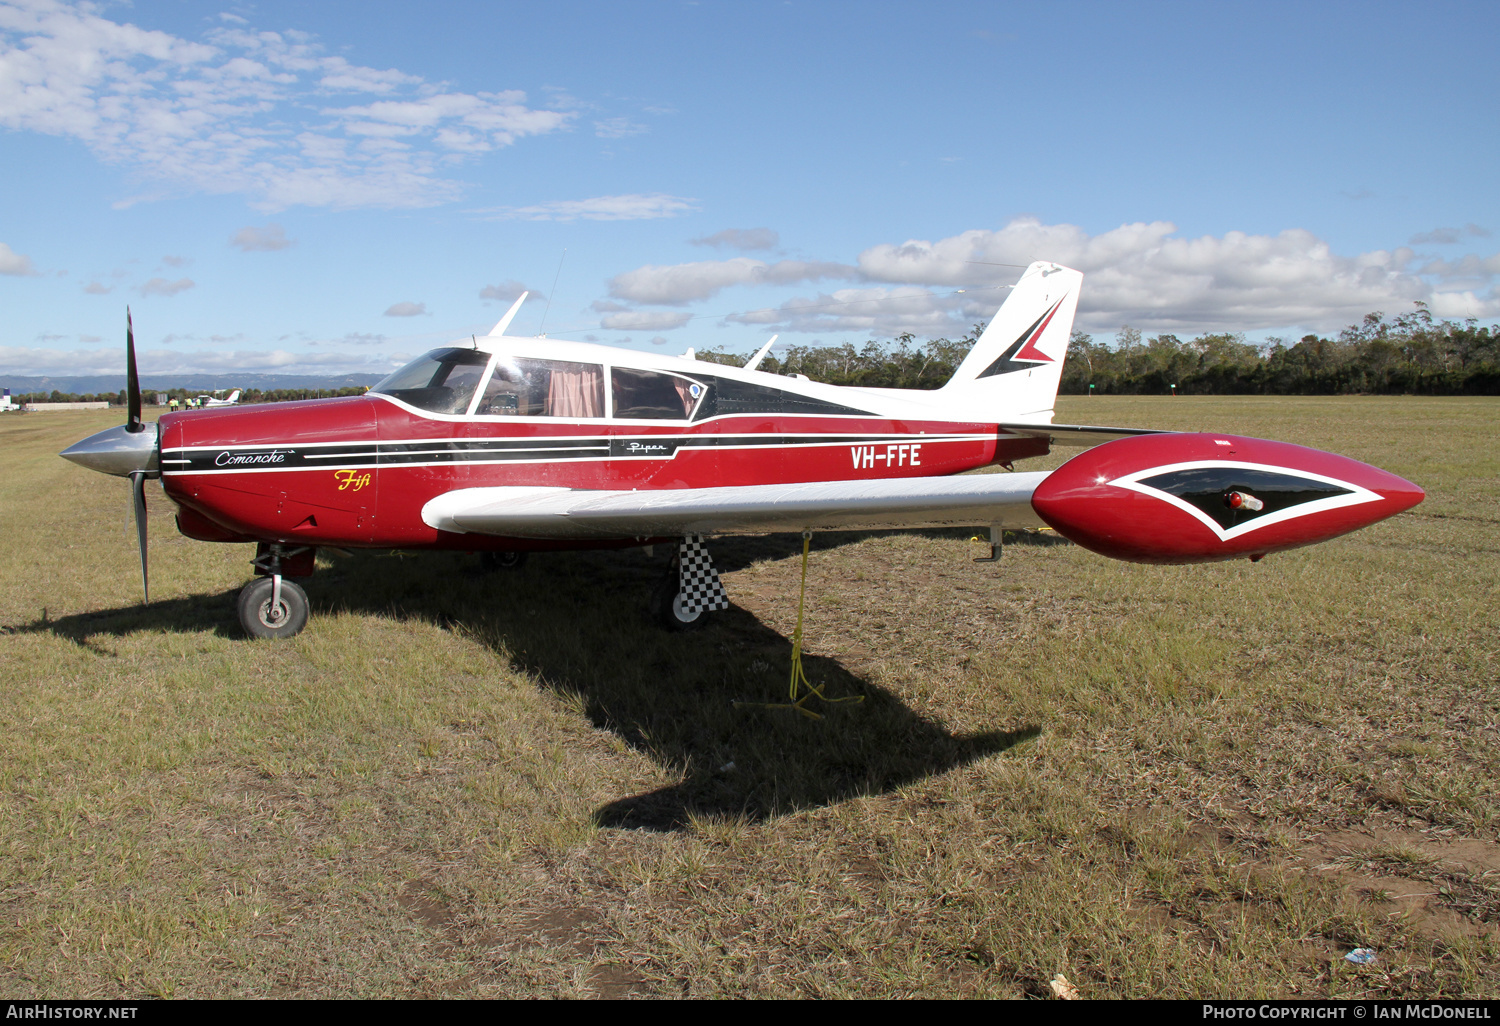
{"points": [[1155, 781]]}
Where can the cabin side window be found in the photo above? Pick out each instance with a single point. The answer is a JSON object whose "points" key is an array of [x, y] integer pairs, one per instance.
{"points": [[442, 381], [652, 395], [543, 388], [730, 396]]}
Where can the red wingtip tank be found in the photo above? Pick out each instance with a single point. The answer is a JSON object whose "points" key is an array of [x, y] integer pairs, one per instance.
{"points": [[1199, 498]]}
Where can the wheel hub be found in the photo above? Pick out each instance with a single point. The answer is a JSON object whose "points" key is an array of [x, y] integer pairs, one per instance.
{"points": [[272, 616]]}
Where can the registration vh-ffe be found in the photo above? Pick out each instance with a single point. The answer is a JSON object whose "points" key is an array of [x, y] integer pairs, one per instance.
{"points": [[505, 445]]}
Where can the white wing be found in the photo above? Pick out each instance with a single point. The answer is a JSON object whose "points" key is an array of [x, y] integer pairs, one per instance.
{"points": [[971, 500]]}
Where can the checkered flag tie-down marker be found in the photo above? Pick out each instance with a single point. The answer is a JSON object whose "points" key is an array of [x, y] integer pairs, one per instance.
{"points": [[697, 579]]}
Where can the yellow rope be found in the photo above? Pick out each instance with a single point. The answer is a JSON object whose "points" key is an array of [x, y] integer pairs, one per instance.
{"points": [[799, 677]]}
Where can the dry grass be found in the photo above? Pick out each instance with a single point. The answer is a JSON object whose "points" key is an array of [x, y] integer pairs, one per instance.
{"points": [[1162, 782]]}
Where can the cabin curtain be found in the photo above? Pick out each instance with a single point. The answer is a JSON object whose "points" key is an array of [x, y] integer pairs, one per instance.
{"points": [[575, 390]]}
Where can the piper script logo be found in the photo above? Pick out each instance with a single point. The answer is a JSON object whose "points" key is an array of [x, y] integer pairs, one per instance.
{"points": [[903, 455], [351, 479]]}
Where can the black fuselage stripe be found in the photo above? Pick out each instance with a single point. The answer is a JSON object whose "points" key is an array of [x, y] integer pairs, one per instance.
{"points": [[511, 450]]}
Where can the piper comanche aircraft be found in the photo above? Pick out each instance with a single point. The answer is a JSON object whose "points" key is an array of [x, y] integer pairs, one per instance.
{"points": [[503, 445]]}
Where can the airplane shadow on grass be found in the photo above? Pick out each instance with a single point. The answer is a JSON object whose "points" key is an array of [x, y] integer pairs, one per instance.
{"points": [[204, 612], [702, 703], [699, 702]]}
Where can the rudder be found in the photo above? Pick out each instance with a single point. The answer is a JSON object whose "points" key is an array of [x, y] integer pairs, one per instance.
{"points": [[1016, 365]]}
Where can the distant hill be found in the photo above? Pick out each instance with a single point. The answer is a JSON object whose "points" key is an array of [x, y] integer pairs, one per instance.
{"points": [[94, 384]]}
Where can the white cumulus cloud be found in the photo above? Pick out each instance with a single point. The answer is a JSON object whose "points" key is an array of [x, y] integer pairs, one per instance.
{"points": [[245, 111], [1449, 236], [1147, 275], [508, 292], [406, 310], [629, 207], [12, 262], [676, 284], [1144, 274], [744, 239], [868, 311], [163, 287], [261, 240], [356, 338], [644, 320], [617, 128]]}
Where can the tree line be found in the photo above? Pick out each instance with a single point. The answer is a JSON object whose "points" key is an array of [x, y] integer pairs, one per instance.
{"points": [[900, 363], [1413, 353], [55, 396]]}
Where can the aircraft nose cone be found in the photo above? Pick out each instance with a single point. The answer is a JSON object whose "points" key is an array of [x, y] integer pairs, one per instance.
{"points": [[116, 451]]}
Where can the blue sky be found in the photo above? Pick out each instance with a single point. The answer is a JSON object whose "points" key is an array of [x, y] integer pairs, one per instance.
{"points": [[339, 186]]}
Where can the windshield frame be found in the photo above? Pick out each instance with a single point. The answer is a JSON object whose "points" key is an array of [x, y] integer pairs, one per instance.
{"points": [[454, 357]]}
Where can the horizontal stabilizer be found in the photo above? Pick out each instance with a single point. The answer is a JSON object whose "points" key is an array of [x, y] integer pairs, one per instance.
{"points": [[1076, 434]]}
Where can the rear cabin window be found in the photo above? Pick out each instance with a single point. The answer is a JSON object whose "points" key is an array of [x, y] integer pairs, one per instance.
{"points": [[543, 388], [652, 395], [728, 396], [442, 381]]}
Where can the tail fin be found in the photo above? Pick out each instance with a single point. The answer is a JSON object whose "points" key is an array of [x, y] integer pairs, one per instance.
{"points": [[1013, 371], [234, 396]]}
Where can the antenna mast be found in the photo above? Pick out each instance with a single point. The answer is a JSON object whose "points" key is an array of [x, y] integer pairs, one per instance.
{"points": [[551, 291]]}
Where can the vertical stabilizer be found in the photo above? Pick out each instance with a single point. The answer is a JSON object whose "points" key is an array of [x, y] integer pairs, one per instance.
{"points": [[1013, 371]]}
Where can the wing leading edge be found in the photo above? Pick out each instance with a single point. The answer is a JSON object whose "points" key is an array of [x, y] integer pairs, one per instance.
{"points": [[518, 512]]}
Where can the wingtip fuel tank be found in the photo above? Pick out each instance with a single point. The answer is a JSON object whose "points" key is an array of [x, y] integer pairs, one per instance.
{"points": [[1199, 498]]}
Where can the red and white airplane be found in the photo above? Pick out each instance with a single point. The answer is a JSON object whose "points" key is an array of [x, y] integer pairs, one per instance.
{"points": [[504, 445]]}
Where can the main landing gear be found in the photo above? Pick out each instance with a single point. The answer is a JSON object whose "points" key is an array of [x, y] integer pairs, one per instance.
{"points": [[273, 606], [491, 562], [691, 590]]}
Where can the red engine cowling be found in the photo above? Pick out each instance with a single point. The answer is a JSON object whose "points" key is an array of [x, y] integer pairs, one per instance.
{"points": [[1197, 498]]}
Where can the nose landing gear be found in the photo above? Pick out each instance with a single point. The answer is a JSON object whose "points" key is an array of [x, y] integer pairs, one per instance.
{"points": [[273, 606]]}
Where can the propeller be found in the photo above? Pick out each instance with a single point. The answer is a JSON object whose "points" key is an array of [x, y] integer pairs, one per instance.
{"points": [[126, 451], [132, 385], [138, 497], [134, 426]]}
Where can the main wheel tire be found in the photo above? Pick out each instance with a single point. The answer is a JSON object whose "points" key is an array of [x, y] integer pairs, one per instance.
{"points": [[260, 620], [492, 561], [667, 610]]}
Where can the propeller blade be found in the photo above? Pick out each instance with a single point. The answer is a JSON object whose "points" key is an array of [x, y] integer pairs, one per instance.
{"points": [[138, 494], [132, 380]]}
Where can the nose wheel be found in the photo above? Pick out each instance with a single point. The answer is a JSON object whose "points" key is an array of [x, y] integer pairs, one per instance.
{"points": [[272, 607]]}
